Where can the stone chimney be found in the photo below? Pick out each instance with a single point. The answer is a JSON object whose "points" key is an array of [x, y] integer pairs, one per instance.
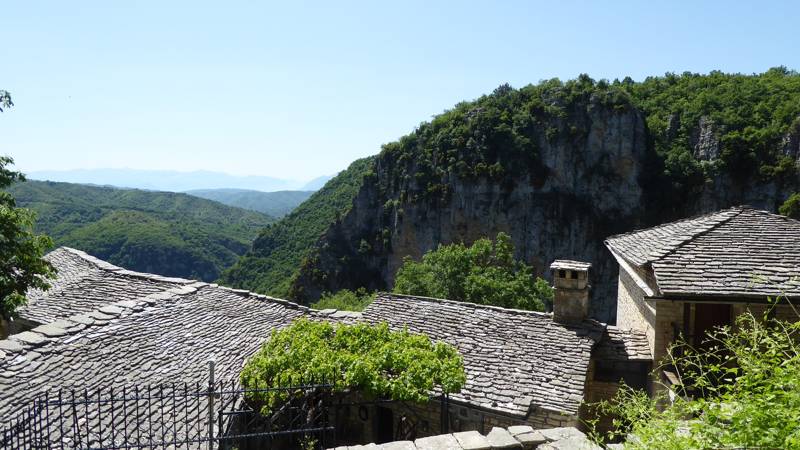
{"points": [[571, 283]]}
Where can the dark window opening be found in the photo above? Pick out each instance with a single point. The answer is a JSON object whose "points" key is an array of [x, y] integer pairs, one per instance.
{"points": [[562, 274], [633, 373], [573, 275], [385, 424]]}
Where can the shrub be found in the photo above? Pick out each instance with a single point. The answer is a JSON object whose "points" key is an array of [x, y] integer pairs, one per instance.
{"points": [[749, 393], [398, 365], [346, 300]]}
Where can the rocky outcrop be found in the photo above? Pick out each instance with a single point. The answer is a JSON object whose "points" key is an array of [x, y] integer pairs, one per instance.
{"points": [[705, 142], [596, 180]]}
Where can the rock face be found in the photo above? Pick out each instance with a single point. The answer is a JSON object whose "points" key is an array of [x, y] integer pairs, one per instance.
{"points": [[595, 184]]}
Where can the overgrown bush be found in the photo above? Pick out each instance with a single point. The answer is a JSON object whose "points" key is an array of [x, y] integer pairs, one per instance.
{"points": [[345, 300], [746, 392], [791, 207], [373, 359], [485, 273]]}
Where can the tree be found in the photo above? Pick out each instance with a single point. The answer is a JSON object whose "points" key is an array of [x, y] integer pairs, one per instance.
{"points": [[379, 362], [791, 207], [21, 251], [484, 273]]}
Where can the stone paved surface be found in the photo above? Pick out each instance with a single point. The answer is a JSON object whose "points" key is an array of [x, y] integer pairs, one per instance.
{"points": [[514, 359], [738, 252], [497, 438]]}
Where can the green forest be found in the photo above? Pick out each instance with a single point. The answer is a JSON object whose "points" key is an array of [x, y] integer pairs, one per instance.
{"points": [[272, 263], [274, 204], [157, 232], [497, 136]]}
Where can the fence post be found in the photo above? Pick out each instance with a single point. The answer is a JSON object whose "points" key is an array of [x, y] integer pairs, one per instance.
{"points": [[211, 393]]}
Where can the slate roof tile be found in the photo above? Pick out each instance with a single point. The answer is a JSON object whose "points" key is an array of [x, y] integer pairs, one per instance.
{"points": [[508, 354], [737, 252]]}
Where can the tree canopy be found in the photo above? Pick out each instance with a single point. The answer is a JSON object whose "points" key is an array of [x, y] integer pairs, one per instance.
{"points": [[345, 300], [21, 250], [379, 362], [791, 207], [484, 272]]}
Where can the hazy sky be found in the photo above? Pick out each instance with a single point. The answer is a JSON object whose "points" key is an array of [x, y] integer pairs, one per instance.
{"points": [[297, 89]]}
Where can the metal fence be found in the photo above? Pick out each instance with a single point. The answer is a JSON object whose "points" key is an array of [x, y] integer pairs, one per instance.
{"points": [[174, 416]]}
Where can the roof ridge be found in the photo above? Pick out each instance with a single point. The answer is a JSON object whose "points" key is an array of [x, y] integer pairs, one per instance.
{"points": [[739, 210], [523, 312], [107, 266]]}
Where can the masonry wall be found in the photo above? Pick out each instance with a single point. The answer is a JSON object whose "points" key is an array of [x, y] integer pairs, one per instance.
{"points": [[360, 423], [633, 311]]}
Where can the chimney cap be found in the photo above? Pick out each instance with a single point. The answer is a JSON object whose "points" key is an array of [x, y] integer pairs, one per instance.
{"points": [[567, 264]]}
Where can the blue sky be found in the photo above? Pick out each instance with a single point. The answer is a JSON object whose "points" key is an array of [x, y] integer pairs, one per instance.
{"points": [[300, 89]]}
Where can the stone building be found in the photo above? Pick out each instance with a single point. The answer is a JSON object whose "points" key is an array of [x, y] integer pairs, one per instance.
{"points": [[687, 277]]}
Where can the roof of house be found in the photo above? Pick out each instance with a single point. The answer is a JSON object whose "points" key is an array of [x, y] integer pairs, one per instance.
{"points": [[739, 252], [622, 344], [133, 335], [514, 359]]}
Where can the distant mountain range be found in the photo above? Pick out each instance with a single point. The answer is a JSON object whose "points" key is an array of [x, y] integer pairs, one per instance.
{"points": [[274, 204], [175, 181]]}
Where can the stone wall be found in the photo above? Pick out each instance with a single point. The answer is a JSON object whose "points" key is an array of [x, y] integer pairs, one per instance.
{"points": [[633, 311], [362, 421], [513, 437]]}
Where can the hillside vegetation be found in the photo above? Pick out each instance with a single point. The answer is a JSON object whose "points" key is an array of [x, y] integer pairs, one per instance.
{"points": [[272, 263], [706, 141], [274, 204], [159, 232]]}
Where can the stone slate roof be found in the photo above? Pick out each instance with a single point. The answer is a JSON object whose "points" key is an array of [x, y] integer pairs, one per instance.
{"points": [[134, 336], [620, 344], [514, 359], [645, 246], [85, 283], [739, 252], [567, 264]]}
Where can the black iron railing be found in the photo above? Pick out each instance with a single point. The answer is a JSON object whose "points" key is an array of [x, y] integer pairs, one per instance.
{"points": [[175, 415]]}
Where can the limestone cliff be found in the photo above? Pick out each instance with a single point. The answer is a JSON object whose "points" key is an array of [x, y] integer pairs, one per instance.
{"points": [[592, 184], [558, 166]]}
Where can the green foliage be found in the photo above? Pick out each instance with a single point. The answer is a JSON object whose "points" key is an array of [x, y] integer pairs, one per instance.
{"points": [[345, 300], [271, 265], [159, 232], [371, 358], [274, 204], [21, 250], [496, 137], [791, 207], [750, 116], [484, 273], [748, 386]]}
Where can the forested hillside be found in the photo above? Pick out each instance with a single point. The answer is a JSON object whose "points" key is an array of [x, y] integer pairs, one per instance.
{"points": [[557, 165], [271, 265], [274, 204], [159, 232]]}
